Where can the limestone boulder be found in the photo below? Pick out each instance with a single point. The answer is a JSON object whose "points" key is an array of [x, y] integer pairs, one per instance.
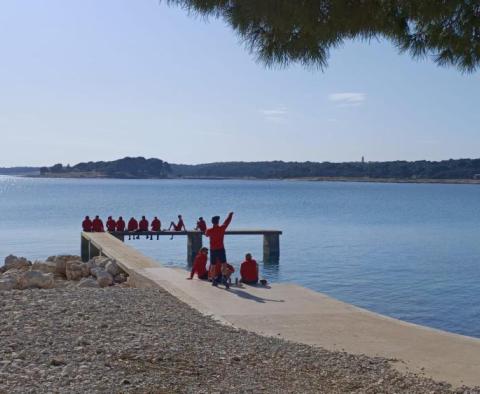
{"points": [[120, 278], [74, 270], [14, 262], [7, 283], [112, 268], [36, 280], [100, 261], [104, 279], [47, 267], [88, 282], [61, 263]]}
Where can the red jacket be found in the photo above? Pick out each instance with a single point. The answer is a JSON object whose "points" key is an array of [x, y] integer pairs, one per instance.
{"points": [[132, 225], [87, 225], [156, 225], [120, 225], [216, 234], [249, 270], [199, 265], [97, 225], [143, 225], [111, 225], [202, 226]]}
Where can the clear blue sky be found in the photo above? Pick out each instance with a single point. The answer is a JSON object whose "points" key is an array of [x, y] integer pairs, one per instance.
{"points": [[99, 80]]}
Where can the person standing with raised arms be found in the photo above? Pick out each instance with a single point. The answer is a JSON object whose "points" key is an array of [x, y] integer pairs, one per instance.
{"points": [[217, 248]]}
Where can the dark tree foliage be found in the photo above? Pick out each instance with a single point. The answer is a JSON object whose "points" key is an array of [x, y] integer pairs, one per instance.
{"points": [[128, 167], [448, 169], [285, 31]]}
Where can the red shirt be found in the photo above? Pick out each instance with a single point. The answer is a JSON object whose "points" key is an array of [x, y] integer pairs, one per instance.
{"points": [[156, 225], [216, 234], [111, 225], [97, 225], [249, 270], [199, 265], [120, 225], [132, 225], [202, 226], [87, 225], [143, 225], [179, 225]]}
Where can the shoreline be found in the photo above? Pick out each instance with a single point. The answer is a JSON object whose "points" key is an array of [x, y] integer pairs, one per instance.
{"points": [[309, 179]]}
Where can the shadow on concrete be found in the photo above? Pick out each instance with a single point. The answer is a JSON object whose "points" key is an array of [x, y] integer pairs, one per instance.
{"points": [[251, 297]]}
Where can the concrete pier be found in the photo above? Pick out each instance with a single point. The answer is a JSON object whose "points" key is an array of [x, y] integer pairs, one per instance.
{"points": [[301, 315], [271, 240]]}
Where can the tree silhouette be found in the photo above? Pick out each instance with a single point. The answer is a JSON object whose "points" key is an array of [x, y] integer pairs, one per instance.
{"points": [[280, 32]]}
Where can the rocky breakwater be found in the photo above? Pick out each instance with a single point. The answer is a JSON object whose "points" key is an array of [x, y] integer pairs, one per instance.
{"points": [[18, 273]]}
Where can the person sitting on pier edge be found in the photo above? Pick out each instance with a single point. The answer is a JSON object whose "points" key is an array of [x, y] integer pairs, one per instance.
{"points": [[111, 224], [156, 226], [217, 248], [179, 226], [143, 225], [201, 225], [249, 271], [200, 265], [120, 225], [87, 225], [132, 226], [97, 225]]}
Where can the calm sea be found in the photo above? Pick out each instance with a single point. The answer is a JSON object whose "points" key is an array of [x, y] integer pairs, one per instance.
{"points": [[410, 251]]}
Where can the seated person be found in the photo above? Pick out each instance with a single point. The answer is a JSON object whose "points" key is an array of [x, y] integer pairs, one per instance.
{"points": [[249, 271], [177, 227], [111, 224], [156, 224], [133, 226], [200, 265], [97, 225], [143, 225], [227, 271], [87, 225], [201, 225], [120, 225]]}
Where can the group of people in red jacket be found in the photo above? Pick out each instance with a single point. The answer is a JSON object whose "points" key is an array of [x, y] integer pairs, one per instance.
{"points": [[219, 270]]}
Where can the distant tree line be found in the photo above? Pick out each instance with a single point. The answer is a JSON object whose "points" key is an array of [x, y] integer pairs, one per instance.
{"points": [[447, 169], [128, 167], [140, 167]]}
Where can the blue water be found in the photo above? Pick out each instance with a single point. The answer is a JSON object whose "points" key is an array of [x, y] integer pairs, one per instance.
{"points": [[410, 251]]}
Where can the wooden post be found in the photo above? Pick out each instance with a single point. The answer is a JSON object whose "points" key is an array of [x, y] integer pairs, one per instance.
{"points": [[194, 244], [84, 249], [271, 247]]}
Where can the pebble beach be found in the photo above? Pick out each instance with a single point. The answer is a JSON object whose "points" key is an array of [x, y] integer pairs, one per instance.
{"points": [[127, 340]]}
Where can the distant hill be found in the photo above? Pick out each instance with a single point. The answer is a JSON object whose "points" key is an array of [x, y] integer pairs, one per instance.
{"points": [[139, 167], [128, 167], [19, 170]]}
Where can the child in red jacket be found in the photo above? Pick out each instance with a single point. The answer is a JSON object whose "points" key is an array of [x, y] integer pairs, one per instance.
{"points": [[200, 265]]}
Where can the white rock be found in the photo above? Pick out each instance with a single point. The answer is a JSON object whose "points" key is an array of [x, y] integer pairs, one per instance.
{"points": [[112, 268], [35, 280], [7, 283], [14, 262], [48, 267], [104, 279], [88, 282]]}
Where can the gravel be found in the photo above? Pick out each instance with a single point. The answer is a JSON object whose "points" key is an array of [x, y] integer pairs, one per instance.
{"points": [[124, 340]]}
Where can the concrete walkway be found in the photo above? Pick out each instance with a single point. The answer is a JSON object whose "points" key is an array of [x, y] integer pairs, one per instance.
{"points": [[298, 314]]}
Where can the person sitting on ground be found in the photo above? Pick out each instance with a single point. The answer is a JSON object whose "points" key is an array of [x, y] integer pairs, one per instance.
{"points": [[133, 226], [227, 271], [120, 225], [97, 225], [201, 225], [217, 248], [87, 225], [249, 271], [111, 224], [177, 227], [200, 265]]}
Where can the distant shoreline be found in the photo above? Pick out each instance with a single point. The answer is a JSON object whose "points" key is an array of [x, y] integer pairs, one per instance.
{"points": [[310, 179]]}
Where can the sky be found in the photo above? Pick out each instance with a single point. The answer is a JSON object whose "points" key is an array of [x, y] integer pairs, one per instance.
{"points": [[100, 80]]}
